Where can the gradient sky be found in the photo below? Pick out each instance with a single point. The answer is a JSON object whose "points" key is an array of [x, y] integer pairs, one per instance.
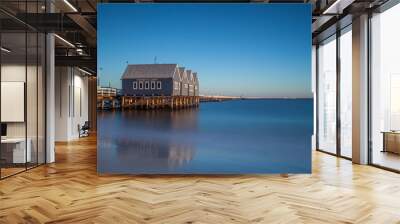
{"points": [[257, 50]]}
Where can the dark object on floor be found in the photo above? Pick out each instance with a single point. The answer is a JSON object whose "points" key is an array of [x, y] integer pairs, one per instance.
{"points": [[84, 130]]}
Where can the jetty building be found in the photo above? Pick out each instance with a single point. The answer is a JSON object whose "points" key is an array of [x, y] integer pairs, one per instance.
{"points": [[152, 86]]}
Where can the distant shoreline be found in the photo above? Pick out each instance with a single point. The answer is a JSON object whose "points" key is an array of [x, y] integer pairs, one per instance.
{"points": [[222, 98], [276, 98]]}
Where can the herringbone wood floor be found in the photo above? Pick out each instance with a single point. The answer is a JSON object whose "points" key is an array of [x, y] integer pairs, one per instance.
{"points": [[70, 191]]}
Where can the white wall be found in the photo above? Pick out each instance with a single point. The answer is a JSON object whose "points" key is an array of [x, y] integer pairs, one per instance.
{"points": [[10, 73], [33, 126], [16, 73], [12, 101], [71, 102], [62, 82], [80, 104]]}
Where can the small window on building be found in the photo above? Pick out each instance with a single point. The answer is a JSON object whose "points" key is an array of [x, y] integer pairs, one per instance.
{"points": [[135, 85], [159, 85], [153, 85], [141, 85], [146, 85]]}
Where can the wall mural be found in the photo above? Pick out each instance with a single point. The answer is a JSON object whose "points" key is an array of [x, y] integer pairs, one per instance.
{"points": [[204, 88]]}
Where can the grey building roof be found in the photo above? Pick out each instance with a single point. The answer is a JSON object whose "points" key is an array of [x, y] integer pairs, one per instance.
{"points": [[182, 72], [195, 78], [189, 76], [184, 76], [149, 71]]}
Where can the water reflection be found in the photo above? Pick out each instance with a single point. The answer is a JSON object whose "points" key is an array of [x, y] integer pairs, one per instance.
{"points": [[157, 139], [173, 120], [156, 154], [249, 136]]}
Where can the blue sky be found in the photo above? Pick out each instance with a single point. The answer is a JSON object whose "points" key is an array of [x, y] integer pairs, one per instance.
{"points": [[257, 50]]}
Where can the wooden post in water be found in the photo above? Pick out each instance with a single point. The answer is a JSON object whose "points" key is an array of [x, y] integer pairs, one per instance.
{"points": [[175, 103]]}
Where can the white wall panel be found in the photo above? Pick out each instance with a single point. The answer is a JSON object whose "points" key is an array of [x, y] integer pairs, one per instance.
{"points": [[12, 101]]}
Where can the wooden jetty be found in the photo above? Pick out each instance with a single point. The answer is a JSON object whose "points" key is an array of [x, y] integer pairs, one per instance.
{"points": [[148, 102], [107, 102], [158, 102]]}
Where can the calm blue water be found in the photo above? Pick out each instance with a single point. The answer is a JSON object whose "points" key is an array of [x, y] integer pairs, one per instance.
{"points": [[244, 136]]}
